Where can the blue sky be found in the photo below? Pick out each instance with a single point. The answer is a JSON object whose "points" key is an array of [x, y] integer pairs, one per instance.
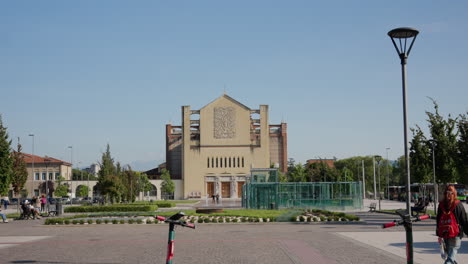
{"points": [[88, 73]]}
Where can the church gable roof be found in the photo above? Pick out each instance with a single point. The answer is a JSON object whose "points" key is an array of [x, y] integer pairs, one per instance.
{"points": [[225, 96]]}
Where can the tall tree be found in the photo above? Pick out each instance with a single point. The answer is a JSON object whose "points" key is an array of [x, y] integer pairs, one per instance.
{"points": [[6, 162], [420, 157], [462, 146], [298, 173], [167, 185], [445, 145], [47, 185], [109, 184], [19, 174], [82, 191]]}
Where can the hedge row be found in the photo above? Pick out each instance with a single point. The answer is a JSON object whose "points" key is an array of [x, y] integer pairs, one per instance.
{"points": [[111, 208], [165, 204]]}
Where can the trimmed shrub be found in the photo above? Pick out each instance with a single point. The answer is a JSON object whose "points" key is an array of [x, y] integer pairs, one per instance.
{"points": [[66, 221], [165, 204], [206, 220], [106, 221], [75, 222], [98, 221], [131, 221], [139, 221], [200, 220], [111, 208], [82, 222], [90, 221], [115, 221], [228, 220], [122, 221]]}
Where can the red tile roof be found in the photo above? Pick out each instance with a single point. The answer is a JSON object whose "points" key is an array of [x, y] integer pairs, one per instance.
{"points": [[28, 158]]}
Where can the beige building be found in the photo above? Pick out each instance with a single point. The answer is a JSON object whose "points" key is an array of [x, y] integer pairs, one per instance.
{"points": [[214, 149], [45, 168]]}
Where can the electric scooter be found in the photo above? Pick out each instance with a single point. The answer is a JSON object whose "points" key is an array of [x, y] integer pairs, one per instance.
{"points": [[173, 221], [407, 220]]}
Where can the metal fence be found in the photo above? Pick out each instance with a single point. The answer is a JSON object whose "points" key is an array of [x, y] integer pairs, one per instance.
{"points": [[307, 195]]}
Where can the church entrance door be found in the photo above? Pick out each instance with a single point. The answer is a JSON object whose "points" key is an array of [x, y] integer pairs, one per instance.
{"points": [[210, 189], [239, 189], [226, 189]]}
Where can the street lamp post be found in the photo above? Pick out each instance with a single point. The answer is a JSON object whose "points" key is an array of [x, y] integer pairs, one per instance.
{"points": [[402, 35], [388, 177], [46, 163], [71, 168], [375, 185], [32, 179], [363, 181], [436, 189], [379, 159]]}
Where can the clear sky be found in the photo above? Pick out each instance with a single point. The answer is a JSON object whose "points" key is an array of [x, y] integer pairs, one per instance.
{"points": [[88, 73]]}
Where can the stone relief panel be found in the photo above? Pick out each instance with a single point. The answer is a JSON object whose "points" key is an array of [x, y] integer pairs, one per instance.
{"points": [[224, 122]]}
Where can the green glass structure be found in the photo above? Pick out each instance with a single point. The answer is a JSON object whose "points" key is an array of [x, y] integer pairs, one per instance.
{"points": [[264, 191]]}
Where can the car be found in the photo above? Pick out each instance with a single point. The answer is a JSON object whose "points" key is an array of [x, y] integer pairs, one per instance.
{"points": [[75, 200], [14, 201], [51, 200]]}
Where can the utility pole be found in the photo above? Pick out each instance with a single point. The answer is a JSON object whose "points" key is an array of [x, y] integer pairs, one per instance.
{"points": [[388, 177], [375, 185], [363, 181]]}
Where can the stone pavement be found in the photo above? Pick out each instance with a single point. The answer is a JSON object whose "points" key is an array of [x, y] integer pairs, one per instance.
{"points": [[228, 243]]}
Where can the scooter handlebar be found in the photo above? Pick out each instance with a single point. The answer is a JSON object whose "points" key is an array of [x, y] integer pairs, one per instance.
{"points": [[161, 218], [392, 224], [189, 225], [424, 217]]}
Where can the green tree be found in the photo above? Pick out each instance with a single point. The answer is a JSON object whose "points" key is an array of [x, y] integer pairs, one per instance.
{"points": [[6, 162], [462, 147], [298, 173], [444, 137], [61, 190], [167, 185], [47, 185], [82, 191], [420, 157], [109, 184], [130, 180], [19, 174]]}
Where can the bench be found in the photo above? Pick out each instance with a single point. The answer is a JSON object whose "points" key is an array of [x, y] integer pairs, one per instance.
{"points": [[372, 207]]}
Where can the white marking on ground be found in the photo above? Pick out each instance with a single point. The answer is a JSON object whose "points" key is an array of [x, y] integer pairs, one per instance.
{"points": [[11, 241]]}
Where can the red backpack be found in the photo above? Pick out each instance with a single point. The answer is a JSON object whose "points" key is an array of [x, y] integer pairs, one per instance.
{"points": [[447, 227]]}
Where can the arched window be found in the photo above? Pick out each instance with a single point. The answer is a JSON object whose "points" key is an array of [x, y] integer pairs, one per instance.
{"points": [[153, 191]]}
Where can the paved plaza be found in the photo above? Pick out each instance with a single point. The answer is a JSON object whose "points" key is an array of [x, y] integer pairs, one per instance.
{"points": [[366, 242]]}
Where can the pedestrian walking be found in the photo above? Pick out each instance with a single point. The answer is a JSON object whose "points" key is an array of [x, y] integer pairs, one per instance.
{"points": [[6, 202], [43, 203], [451, 223], [3, 217]]}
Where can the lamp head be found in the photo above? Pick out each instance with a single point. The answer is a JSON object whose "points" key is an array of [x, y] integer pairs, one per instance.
{"points": [[403, 34]]}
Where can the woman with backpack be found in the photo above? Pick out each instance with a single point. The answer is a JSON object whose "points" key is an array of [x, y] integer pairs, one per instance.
{"points": [[451, 223]]}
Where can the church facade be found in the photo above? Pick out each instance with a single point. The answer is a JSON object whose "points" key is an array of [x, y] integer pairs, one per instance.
{"points": [[215, 147]]}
